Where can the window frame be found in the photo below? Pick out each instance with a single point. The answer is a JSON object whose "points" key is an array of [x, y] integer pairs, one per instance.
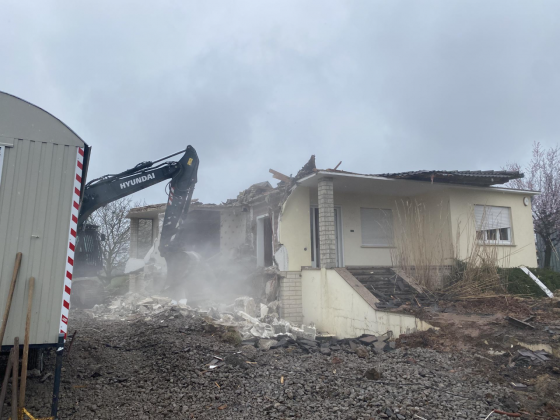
{"points": [[498, 241], [390, 241]]}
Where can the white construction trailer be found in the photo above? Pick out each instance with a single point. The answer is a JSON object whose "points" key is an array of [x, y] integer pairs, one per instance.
{"points": [[43, 166]]}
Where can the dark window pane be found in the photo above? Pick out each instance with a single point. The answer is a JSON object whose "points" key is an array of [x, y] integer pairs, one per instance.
{"points": [[491, 235], [504, 234]]}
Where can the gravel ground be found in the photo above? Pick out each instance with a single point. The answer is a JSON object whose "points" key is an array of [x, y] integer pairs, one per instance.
{"points": [[158, 369]]}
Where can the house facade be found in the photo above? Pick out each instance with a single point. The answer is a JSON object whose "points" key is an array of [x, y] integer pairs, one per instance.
{"points": [[357, 220], [323, 229]]}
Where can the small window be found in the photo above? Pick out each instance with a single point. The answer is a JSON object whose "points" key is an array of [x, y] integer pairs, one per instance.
{"points": [[493, 224], [377, 227]]}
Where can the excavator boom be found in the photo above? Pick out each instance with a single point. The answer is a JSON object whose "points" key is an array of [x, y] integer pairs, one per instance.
{"points": [[182, 175]]}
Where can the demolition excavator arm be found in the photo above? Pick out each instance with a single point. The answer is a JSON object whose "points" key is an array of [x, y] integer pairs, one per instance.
{"points": [[183, 176]]}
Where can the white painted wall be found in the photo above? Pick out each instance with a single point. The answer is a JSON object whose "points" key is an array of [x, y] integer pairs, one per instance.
{"points": [[335, 307], [294, 229], [448, 209], [523, 250]]}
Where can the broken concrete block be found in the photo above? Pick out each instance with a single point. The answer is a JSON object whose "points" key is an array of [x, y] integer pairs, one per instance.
{"points": [[245, 304], [214, 313], [248, 317], [309, 332], [280, 328], [361, 352], [266, 343], [264, 310], [262, 330], [367, 340], [270, 289], [270, 319], [379, 346], [182, 302], [147, 301], [273, 306]]}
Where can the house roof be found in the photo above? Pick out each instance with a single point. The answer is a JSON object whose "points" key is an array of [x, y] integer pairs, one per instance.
{"points": [[479, 178]]}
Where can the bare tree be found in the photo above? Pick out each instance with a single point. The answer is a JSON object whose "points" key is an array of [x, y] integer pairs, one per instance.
{"points": [[543, 174], [114, 225]]}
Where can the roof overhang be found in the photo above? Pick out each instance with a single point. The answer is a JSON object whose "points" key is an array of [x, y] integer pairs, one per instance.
{"points": [[360, 184]]}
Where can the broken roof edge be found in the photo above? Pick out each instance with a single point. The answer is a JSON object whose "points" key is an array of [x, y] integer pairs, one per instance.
{"points": [[153, 209], [380, 178]]}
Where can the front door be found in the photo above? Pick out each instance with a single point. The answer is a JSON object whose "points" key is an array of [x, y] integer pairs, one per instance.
{"points": [[316, 244]]}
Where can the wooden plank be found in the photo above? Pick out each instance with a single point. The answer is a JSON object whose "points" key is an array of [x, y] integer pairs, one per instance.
{"points": [[536, 280], [26, 344], [279, 176]]}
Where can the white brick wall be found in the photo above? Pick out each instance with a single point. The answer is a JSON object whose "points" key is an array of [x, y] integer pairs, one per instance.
{"points": [[290, 297], [327, 237]]}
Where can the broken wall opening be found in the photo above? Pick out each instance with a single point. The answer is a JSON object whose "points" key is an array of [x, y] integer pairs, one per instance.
{"points": [[203, 229]]}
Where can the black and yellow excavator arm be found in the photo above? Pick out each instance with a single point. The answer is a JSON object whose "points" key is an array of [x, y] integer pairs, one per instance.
{"points": [[183, 176]]}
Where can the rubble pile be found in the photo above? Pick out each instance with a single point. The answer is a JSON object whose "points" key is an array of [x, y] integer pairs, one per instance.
{"points": [[177, 364], [250, 321]]}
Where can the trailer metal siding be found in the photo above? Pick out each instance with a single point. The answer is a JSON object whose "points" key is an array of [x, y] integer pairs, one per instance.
{"points": [[36, 196]]}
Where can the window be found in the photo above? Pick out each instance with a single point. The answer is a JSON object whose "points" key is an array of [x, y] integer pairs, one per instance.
{"points": [[493, 224], [377, 227]]}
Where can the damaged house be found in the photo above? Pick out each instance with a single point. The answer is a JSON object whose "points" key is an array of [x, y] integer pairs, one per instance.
{"points": [[349, 248]]}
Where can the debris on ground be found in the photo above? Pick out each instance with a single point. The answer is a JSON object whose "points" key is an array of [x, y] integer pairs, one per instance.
{"points": [[170, 365]]}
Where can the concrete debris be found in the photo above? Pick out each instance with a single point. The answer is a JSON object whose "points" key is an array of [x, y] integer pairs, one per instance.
{"points": [[265, 344], [241, 316], [264, 333], [309, 332], [245, 304], [528, 357]]}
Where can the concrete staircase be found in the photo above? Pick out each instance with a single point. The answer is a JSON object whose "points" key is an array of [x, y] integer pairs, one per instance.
{"points": [[387, 286]]}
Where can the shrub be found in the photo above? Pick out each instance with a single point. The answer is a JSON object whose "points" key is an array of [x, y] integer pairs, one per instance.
{"points": [[519, 283]]}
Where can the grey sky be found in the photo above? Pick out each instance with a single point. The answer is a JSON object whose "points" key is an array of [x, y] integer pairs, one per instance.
{"points": [[383, 86]]}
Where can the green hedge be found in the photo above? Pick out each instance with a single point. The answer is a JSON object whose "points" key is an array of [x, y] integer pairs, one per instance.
{"points": [[519, 283]]}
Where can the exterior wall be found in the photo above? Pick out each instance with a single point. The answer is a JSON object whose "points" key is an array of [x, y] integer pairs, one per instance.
{"points": [[354, 252], [36, 196], [327, 230], [523, 250], [294, 229], [290, 297], [233, 232], [432, 230], [336, 308]]}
